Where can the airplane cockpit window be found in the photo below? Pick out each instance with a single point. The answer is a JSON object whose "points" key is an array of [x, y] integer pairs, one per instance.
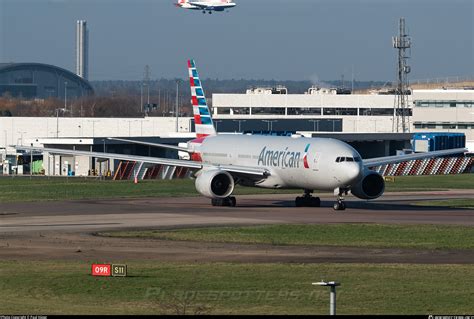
{"points": [[348, 159]]}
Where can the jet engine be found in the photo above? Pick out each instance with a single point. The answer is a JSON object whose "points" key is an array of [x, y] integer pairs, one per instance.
{"points": [[371, 186], [214, 183]]}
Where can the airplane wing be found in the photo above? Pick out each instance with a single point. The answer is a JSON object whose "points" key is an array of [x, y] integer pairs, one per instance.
{"points": [[182, 149], [233, 169], [371, 162]]}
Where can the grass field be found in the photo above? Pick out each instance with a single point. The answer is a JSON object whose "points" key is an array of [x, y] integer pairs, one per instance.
{"points": [[222, 288], [41, 188], [348, 235]]}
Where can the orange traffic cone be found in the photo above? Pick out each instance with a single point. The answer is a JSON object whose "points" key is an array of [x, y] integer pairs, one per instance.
{"points": [[135, 180]]}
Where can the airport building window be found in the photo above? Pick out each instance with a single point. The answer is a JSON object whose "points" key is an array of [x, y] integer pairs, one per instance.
{"points": [[268, 110], [376, 112], [329, 111], [233, 110], [448, 126], [450, 103], [346, 111], [241, 110], [304, 111], [407, 112], [223, 110], [444, 126]]}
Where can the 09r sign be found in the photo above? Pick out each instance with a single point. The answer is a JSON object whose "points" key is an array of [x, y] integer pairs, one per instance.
{"points": [[100, 270]]}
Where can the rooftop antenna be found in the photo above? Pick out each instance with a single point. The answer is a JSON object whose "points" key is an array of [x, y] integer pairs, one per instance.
{"points": [[402, 42]]}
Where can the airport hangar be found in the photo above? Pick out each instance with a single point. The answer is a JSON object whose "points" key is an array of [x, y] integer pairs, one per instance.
{"points": [[363, 120], [41, 81]]}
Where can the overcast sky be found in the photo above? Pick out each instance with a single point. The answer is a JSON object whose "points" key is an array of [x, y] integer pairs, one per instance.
{"points": [[258, 39]]}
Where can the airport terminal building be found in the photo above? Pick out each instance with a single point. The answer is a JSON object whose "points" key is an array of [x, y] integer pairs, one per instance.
{"points": [[363, 120], [326, 111]]}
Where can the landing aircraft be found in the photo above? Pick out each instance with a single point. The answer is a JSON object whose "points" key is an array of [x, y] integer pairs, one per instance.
{"points": [[206, 6], [220, 161]]}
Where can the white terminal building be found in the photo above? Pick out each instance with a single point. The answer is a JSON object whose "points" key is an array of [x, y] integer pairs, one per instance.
{"points": [[318, 112], [324, 110]]}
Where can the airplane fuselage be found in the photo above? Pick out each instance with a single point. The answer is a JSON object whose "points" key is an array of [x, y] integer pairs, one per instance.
{"points": [[293, 162], [206, 5]]}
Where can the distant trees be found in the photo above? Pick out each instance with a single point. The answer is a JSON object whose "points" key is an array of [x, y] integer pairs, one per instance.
{"points": [[125, 98]]}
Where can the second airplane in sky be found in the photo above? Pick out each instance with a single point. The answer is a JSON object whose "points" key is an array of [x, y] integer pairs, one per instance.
{"points": [[206, 6]]}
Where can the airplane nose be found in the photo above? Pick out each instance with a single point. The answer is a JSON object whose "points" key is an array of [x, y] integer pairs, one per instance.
{"points": [[353, 172]]}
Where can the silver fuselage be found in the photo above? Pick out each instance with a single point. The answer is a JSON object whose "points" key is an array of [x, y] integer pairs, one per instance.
{"points": [[293, 162]]}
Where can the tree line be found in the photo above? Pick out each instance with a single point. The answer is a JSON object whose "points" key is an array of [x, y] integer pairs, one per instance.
{"points": [[138, 98]]}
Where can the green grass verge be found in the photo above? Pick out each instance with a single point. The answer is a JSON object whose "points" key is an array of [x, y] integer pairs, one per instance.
{"points": [[349, 235], [452, 203], [223, 288], [432, 182], [41, 188]]}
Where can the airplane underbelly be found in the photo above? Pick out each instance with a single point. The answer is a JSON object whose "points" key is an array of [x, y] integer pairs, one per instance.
{"points": [[306, 179]]}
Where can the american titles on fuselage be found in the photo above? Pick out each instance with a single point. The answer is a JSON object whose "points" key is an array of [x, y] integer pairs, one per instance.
{"points": [[284, 158]]}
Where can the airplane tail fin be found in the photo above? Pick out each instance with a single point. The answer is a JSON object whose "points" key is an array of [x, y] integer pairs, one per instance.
{"points": [[202, 116]]}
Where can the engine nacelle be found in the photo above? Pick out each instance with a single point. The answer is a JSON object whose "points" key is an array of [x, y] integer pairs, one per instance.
{"points": [[371, 186], [214, 183]]}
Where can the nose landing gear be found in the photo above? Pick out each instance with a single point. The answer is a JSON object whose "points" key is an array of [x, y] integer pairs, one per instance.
{"points": [[340, 205], [307, 200]]}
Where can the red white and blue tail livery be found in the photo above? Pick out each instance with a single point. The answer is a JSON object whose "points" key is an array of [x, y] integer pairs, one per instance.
{"points": [[202, 115], [206, 6]]}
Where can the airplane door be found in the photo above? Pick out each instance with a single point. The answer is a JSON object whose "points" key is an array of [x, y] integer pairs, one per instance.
{"points": [[316, 160]]}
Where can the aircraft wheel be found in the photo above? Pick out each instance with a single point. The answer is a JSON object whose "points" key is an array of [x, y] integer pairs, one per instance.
{"points": [[315, 202], [339, 206], [232, 201], [216, 202], [299, 202]]}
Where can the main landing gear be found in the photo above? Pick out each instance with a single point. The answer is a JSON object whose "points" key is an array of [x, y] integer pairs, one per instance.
{"points": [[307, 200], [228, 201], [340, 205]]}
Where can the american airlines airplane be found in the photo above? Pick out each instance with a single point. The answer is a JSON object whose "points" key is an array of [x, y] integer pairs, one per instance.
{"points": [[206, 6], [221, 161]]}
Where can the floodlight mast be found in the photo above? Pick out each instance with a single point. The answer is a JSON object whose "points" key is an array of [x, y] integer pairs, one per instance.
{"points": [[332, 294]]}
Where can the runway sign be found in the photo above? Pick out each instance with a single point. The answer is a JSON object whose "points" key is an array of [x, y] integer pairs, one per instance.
{"points": [[119, 270], [101, 270]]}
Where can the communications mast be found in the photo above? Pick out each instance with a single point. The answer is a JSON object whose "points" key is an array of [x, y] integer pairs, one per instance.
{"points": [[401, 118]]}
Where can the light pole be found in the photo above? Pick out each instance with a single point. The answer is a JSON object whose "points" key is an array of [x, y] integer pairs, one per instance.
{"points": [[177, 97], [141, 97], [57, 123], [239, 122], [93, 126], [332, 294], [65, 96], [314, 125], [6, 142], [31, 162], [269, 124]]}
